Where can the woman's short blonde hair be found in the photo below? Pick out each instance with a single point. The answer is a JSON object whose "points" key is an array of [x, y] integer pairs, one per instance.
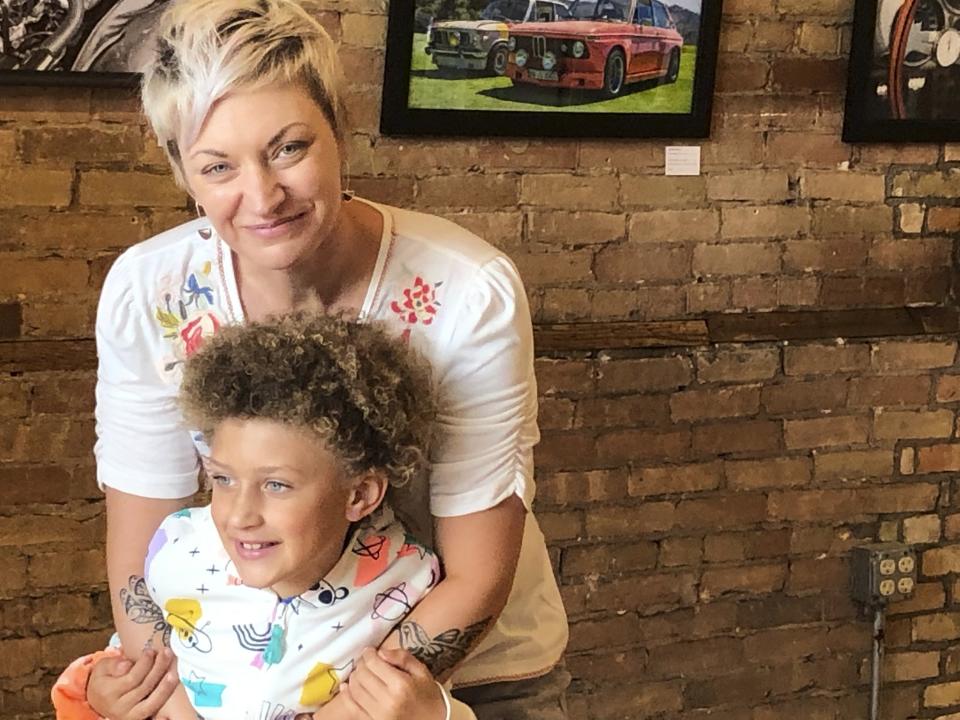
{"points": [[207, 48]]}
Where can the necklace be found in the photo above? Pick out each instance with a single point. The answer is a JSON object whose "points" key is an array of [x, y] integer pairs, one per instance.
{"points": [[223, 282]]}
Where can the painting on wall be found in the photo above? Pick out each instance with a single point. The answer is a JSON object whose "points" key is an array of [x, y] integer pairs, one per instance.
{"points": [[82, 42], [904, 78], [587, 68]]}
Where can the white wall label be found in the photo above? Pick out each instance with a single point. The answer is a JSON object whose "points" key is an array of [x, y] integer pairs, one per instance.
{"points": [[682, 160]]}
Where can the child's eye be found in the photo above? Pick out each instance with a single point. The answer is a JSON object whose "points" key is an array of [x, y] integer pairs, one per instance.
{"points": [[276, 486], [221, 480]]}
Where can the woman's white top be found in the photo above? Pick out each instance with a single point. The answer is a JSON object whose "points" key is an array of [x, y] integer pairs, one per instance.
{"points": [[456, 299]]}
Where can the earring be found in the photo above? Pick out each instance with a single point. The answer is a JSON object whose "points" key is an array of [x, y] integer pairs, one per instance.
{"points": [[205, 233]]}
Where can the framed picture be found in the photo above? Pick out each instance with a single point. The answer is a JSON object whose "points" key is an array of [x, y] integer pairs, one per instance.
{"points": [[584, 68], [904, 78], [76, 42]]}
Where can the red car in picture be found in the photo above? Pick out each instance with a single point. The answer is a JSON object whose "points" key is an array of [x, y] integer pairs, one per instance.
{"points": [[608, 44]]}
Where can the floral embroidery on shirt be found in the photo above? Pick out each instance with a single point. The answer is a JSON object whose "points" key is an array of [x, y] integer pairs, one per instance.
{"points": [[188, 314], [418, 305]]}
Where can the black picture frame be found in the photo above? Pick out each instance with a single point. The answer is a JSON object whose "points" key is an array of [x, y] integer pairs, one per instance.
{"points": [[915, 99], [76, 46], [398, 118]]}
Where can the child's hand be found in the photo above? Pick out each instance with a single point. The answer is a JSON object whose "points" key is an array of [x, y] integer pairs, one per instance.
{"points": [[123, 690], [392, 685]]}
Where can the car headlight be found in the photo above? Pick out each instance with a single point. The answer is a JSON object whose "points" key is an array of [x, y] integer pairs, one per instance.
{"points": [[579, 48], [549, 60], [522, 58], [512, 44]]}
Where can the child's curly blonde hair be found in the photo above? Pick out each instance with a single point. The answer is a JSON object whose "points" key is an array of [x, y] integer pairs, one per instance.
{"points": [[364, 394]]}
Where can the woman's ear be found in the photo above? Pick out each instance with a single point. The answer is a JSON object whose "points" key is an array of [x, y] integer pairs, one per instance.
{"points": [[366, 494]]}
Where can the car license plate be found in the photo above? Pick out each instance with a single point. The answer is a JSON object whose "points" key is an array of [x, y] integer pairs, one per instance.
{"points": [[543, 74]]}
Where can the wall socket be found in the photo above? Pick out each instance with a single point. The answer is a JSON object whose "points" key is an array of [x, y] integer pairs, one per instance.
{"points": [[883, 572]]}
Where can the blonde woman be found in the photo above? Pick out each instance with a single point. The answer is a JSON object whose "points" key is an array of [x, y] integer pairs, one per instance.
{"points": [[245, 98]]}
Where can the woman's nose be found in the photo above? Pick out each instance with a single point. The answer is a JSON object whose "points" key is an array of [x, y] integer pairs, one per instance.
{"points": [[263, 191]]}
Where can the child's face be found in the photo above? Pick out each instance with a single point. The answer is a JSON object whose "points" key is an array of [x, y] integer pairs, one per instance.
{"points": [[281, 502]]}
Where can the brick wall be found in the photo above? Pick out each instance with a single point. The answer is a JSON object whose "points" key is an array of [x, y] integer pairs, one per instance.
{"points": [[699, 500]]}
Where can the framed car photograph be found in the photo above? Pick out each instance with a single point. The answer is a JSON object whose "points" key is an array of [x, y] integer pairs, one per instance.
{"points": [[574, 68], [904, 76], [70, 42]]}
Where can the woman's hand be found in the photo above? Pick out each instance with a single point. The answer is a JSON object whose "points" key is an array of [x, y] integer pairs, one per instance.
{"points": [[391, 685], [119, 689]]}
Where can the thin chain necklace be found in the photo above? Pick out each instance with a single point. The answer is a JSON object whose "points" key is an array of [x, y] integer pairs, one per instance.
{"points": [[223, 282]]}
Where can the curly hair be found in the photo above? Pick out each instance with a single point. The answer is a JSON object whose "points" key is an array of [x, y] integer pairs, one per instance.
{"points": [[366, 395]]}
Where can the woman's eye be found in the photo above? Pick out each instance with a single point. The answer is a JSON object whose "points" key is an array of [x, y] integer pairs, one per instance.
{"points": [[215, 169], [290, 149]]}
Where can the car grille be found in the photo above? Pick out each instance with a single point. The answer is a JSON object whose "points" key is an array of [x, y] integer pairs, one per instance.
{"points": [[537, 46]]}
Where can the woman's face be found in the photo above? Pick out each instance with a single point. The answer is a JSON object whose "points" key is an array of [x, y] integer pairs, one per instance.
{"points": [[266, 170]]}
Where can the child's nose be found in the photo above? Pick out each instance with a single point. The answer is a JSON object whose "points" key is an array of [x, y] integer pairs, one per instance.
{"points": [[245, 510]]}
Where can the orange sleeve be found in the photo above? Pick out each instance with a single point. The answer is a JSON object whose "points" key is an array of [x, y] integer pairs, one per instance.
{"points": [[69, 693]]}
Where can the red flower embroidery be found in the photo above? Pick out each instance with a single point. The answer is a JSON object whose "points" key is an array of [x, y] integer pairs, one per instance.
{"points": [[193, 332], [419, 303]]}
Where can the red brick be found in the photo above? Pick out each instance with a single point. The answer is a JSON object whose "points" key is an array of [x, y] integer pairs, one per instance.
{"points": [[721, 513], [767, 222], [852, 465], [886, 392], [895, 356], [566, 451], [738, 365], [669, 226], [943, 219], [649, 517], [715, 403], [575, 228], [736, 259], [607, 559], [830, 254], [752, 579], [675, 479], [926, 183], [635, 445], [818, 505], [948, 389], [737, 547], [737, 437], [903, 424], [825, 359], [844, 186], [938, 458], [826, 431], [644, 375], [632, 263], [774, 472], [624, 411], [562, 488], [681, 552], [30, 186], [800, 396], [820, 574], [848, 220], [570, 192], [131, 189], [663, 191], [564, 377]]}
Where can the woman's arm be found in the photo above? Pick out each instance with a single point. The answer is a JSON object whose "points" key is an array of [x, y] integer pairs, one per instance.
{"points": [[480, 553], [131, 523]]}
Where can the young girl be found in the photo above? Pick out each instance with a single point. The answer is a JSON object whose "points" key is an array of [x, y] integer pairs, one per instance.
{"points": [[269, 594]]}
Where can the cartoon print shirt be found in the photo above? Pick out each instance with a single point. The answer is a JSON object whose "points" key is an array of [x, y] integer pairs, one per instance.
{"points": [[455, 298], [242, 652]]}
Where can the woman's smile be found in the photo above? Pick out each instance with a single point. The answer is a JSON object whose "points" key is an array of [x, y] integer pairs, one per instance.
{"points": [[279, 227]]}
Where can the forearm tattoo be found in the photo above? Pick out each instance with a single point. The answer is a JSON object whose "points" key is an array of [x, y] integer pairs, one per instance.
{"points": [[444, 651], [141, 609]]}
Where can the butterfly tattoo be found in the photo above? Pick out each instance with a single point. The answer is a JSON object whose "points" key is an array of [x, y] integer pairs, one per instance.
{"points": [[141, 609], [441, 652]]}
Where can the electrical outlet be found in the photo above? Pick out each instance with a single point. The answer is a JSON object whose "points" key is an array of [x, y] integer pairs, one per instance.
{"points": [[883, 572]]}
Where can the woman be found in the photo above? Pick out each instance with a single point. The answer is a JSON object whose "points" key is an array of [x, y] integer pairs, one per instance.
{"points": [[245, 97]]}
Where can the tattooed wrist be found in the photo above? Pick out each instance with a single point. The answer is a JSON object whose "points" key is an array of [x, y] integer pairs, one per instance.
{"points": [[140, 608], [443, 651]]}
